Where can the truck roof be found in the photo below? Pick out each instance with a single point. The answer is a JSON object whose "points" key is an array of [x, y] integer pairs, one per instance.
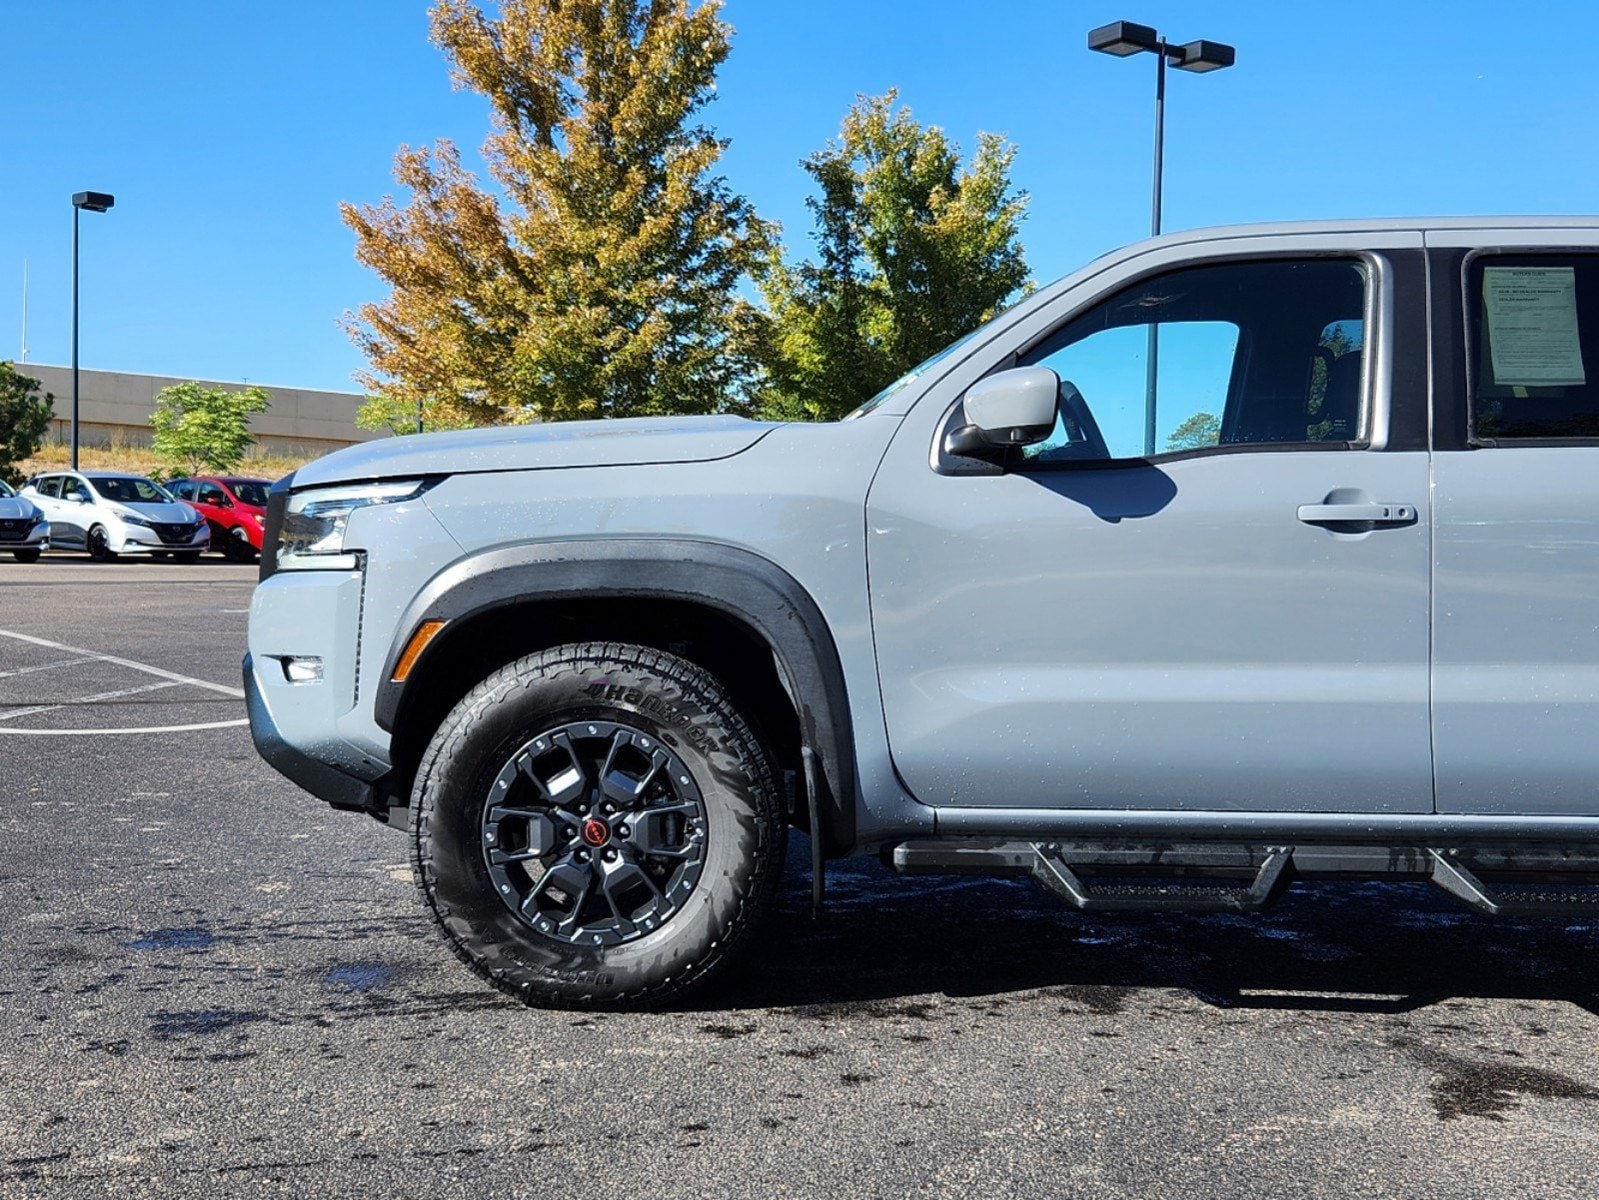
{"points": [[1369, 225]]}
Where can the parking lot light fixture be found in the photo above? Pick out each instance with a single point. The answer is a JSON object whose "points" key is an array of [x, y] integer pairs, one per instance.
{"points": [[95, 202], [1202, 56], [1124, 39]]}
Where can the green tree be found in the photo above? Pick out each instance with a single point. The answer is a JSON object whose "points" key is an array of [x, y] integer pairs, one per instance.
{"points": [[204, 428], [24, 420], [603, 277], [386, 413], [1200, 430], [914, 249]]}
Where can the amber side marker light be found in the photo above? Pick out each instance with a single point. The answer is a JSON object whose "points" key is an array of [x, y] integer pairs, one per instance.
{"points": [[425, 633]]}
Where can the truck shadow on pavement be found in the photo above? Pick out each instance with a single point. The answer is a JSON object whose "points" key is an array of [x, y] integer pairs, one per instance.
{"points": [[1356, 948]]}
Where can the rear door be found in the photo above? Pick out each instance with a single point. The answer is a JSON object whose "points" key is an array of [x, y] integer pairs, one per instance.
{"points": [[49, 501], [1219, 624], [1516, 601]]}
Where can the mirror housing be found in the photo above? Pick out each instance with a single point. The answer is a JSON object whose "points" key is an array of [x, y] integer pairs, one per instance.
{"points": [[1017, 407]]}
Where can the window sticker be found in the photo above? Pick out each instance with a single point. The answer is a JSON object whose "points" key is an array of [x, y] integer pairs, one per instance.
{"points": [[1532, 326]]}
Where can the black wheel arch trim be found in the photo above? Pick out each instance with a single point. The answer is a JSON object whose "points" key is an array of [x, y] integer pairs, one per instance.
{"points": [[735, 582]]}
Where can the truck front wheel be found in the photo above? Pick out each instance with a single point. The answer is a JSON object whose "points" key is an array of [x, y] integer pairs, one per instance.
{"points": [[597, 826]]}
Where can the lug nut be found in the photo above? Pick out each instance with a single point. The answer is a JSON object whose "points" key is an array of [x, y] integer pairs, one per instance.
{"points": [[610, 856], [582, 856], [623, 831]]}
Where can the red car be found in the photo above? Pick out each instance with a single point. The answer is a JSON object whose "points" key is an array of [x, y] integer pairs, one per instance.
{"points": [[234, 508]]}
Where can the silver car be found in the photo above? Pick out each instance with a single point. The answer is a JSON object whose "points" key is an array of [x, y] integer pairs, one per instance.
{"points": [[23, 528], [1239, 556]]}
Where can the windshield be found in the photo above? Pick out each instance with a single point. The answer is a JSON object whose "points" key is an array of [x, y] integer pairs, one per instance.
{"points": [[130, 489], [911, 376], [250, 491]]}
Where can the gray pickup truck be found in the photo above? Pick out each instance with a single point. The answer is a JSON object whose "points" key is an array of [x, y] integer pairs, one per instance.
{"points": [[1238, 556]]}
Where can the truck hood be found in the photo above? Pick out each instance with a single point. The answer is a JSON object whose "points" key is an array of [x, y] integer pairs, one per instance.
{"points": [[633, 441]]}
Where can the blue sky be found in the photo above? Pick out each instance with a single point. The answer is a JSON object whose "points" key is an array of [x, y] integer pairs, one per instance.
{"points": [[229, 134]]}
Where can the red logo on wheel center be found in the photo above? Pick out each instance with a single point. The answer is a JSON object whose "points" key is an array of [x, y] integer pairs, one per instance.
{"points": [[596, 832]]}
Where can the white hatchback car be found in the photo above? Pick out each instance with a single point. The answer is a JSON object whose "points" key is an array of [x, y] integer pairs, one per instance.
{"points": [[110, 514]]}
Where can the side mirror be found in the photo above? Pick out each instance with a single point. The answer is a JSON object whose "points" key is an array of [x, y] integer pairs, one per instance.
{"points": [[1013, 408]]}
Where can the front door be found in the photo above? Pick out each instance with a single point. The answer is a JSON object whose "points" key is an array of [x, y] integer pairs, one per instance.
{"points": [[1234, 617]]}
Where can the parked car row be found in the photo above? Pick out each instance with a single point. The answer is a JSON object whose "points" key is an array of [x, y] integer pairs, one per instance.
{"points": [[110, 515]]}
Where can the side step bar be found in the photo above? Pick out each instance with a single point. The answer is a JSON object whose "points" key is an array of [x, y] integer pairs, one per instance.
{"points": [[1259, 875]]}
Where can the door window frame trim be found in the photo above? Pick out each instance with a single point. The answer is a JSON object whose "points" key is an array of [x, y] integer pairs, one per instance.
{"points": [[1376, 370]]}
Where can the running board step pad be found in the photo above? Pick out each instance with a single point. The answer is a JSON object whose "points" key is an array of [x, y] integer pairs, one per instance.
{"points": [[1511, 900], [1053, 872]]}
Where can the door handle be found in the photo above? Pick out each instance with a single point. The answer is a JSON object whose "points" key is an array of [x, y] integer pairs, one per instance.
{"points": [[1362, 514]]}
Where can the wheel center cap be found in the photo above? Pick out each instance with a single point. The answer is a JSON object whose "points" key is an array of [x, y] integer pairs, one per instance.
{"points": [[596, 832]]}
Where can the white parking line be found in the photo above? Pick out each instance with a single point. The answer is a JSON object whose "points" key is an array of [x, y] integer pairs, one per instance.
{"points": [[117, 695], [236, 693], [49, 666], [104, 732]]}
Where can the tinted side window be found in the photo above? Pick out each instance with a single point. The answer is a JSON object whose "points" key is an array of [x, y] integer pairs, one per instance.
{"points": [[1266, 353], [182, 489], [1534, 329], [50, 485], [210, 493]]}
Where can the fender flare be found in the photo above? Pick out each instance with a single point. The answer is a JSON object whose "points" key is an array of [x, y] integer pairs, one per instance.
{"points": [[735, 582]]}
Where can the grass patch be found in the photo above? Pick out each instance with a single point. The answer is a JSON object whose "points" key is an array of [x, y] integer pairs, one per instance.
{"points": [[141, 460]]}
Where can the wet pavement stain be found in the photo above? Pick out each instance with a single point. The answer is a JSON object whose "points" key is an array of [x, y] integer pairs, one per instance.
{"points": [[192, 938], [200, 1022], [728, 1032], [358, 977], [1490, 1090]]}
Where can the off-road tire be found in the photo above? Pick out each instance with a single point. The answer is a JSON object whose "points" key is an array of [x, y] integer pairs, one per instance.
{"points": [[682, 707]]}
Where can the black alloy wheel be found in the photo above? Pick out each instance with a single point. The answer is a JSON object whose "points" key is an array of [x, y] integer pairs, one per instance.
{"points": [[594, 833]]}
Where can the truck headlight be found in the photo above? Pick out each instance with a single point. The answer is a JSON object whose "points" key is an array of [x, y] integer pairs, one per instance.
{"points": [[315, 521]]}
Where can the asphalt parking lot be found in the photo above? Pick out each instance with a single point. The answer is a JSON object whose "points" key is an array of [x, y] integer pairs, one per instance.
{"points": [[212, 985]]}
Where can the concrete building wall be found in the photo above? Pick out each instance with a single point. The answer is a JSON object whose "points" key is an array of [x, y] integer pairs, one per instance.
{"points": [[116, 406]]}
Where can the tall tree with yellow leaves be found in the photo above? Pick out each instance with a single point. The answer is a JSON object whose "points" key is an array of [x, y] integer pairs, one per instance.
{"points": [[603, 280]]}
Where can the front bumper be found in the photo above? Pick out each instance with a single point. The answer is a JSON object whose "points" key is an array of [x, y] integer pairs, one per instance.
{"points": [[36, 538], [311, 730], [324, 782], [137, 540]]}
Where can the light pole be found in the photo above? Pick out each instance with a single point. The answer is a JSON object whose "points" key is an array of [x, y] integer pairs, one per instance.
{"points": [[97, 202], [1123, 38]]}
